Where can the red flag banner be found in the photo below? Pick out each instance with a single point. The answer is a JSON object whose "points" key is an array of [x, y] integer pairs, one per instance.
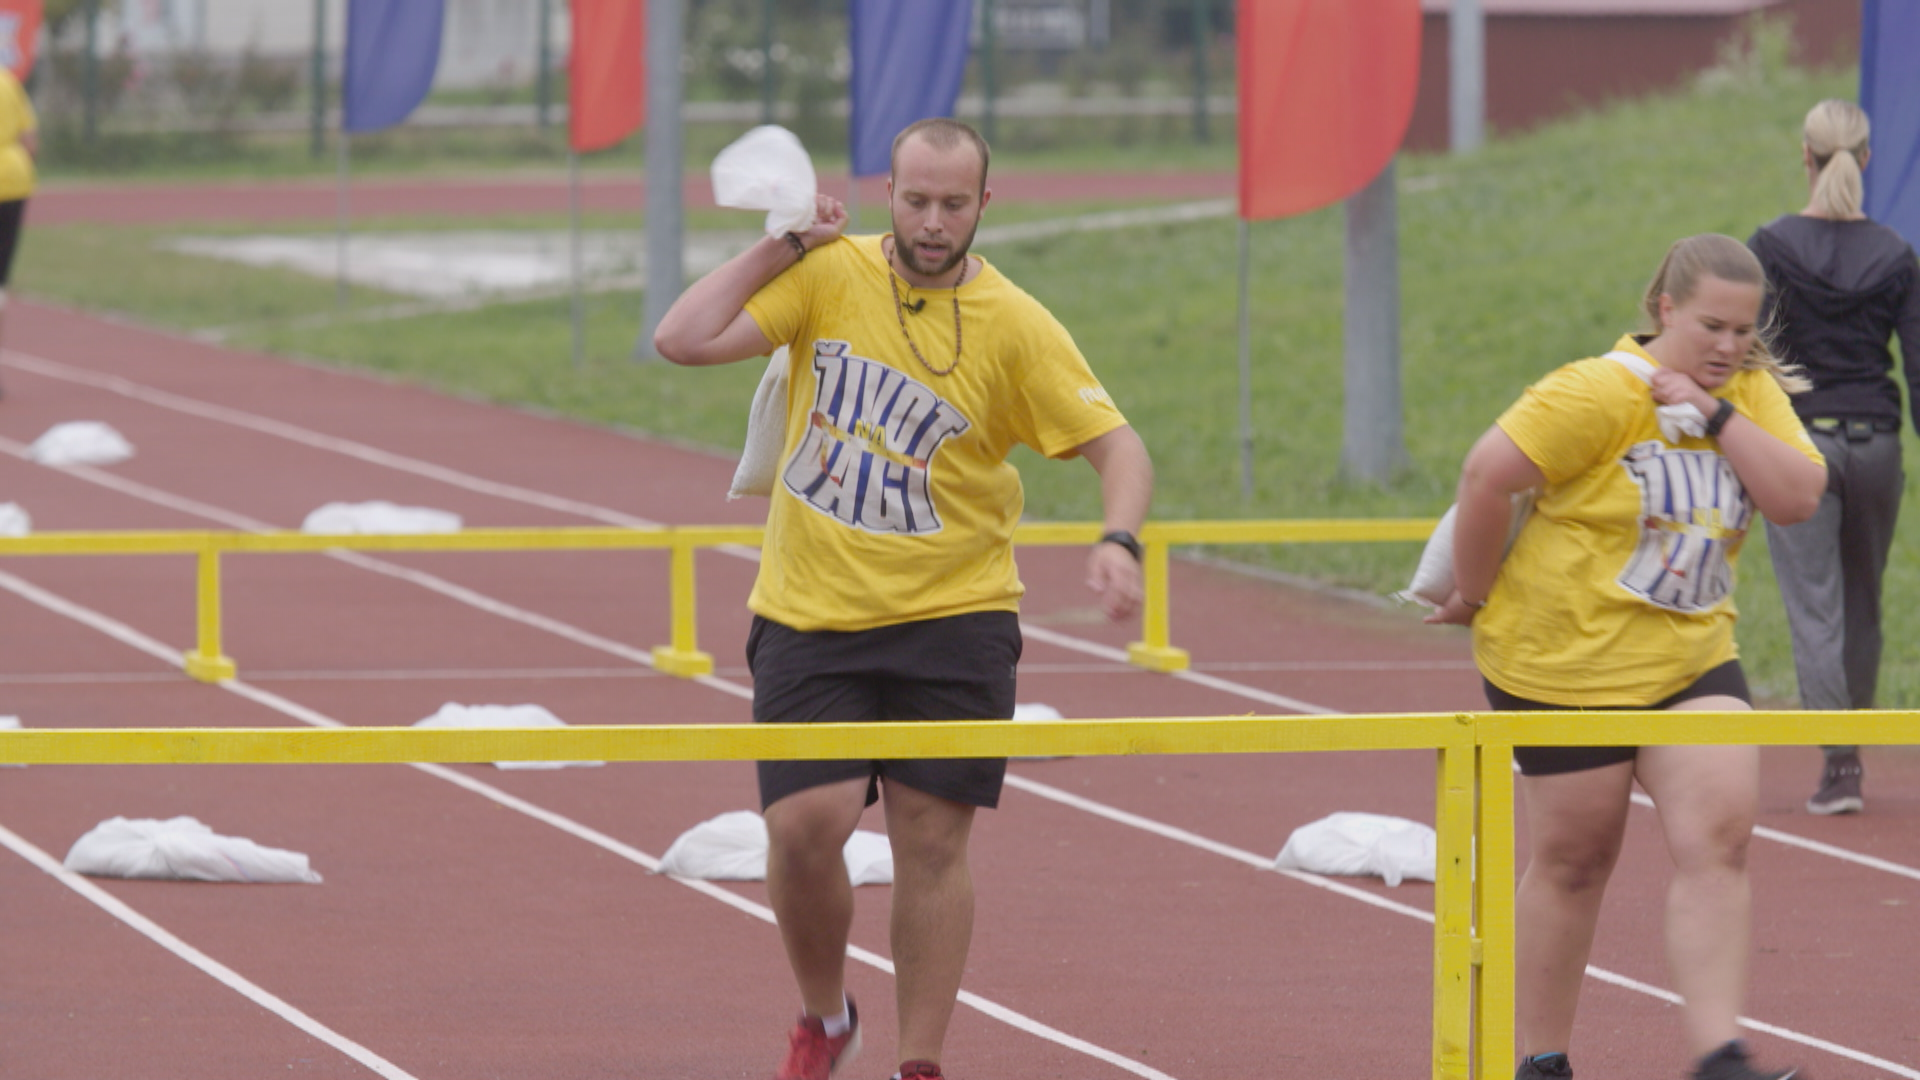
{"points": [[1326, 90], [19, 31], [606, 72]]}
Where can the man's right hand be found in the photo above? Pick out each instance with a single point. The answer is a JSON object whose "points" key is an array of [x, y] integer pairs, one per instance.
{"points": [[829, 222]]}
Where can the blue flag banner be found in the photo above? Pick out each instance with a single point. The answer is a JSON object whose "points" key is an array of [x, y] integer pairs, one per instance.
{"points": [[1890, 93], [393, 47], [908, 60]]}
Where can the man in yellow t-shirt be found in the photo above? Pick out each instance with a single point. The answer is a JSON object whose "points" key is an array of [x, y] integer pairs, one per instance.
{"points": [[887, 588], [19, 142]]}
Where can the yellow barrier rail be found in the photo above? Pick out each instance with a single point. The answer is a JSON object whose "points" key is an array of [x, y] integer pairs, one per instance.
{"points": [[1450, 736], [1473, 1030], [681, 656]]}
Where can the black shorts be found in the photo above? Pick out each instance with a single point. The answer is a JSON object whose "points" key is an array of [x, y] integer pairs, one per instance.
{"points": [[957, 668], [1727, 680], [11, 215]]}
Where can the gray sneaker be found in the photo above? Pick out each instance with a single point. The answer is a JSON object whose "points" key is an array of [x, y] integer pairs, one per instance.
{"points": [[1730, 1063], [1839, 787], [1545, 1067]]}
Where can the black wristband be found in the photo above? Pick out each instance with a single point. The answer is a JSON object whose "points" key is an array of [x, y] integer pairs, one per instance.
{"points": [[1126, 540], [1721, 415], [799, 248]]}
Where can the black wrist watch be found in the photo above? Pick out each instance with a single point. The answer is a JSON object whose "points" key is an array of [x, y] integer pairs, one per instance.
{"points": [[1126, 540], [1721, 414]]}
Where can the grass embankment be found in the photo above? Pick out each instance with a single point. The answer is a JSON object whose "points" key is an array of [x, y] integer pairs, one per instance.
{"points": [[1515, 260]]}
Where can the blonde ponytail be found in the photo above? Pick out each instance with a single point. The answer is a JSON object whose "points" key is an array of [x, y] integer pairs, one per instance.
{"points": [[1836, 138]]}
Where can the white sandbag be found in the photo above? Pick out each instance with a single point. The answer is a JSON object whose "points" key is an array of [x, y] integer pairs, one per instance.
{"points": [[766, 432], [454, 715], [733, 847], [378, 518], [1362, 845], [768, 169], [181, 849], [869, 858], [1433, 578], [11, 723], [14, 521], [1675, 421], [80, 442]]}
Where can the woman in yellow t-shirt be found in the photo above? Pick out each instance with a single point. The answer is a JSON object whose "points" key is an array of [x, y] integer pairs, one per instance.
{"points": [[19, 142], [1617, 594]]}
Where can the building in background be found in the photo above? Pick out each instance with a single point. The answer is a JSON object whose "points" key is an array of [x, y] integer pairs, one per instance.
{"points": [[486, 43], [1548, 58]]}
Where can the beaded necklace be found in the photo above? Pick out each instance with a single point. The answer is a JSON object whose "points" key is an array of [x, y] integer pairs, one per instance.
{"points": [[899, 312]]}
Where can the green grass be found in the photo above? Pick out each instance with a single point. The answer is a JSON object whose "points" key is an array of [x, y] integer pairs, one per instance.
{"points": [[1515, 260]]}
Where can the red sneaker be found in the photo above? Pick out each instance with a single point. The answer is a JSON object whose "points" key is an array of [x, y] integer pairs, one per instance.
{"points": [[919, 1070], [812, 1054]]}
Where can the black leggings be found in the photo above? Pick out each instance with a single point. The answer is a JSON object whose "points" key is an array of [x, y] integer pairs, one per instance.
{"points": [[1727, 680], [12, 214]]}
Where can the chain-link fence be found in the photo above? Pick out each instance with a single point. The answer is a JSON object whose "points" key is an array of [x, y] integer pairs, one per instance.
{"points": [[120, 81]]}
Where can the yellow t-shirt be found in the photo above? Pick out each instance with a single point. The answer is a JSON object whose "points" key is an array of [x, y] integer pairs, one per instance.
{"points": [[1619, 589], [895, 501], [16, 119]]}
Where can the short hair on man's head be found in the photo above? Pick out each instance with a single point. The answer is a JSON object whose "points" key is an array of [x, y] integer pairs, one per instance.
{"points": [[942, 134]]}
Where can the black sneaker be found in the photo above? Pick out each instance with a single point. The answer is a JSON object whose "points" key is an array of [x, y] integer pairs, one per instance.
{"points": [[1545, 1067], [1730, 1063], [1839, 787]]}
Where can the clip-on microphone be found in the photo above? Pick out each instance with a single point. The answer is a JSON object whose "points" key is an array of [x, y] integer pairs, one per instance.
{"points": [[916, 305]]}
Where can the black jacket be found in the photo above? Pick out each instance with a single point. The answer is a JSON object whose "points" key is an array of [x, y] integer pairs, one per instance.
{"points": [[1839, 291]]}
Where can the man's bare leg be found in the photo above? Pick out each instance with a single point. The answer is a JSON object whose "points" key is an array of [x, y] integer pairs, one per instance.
{"points": [[932, 924]]}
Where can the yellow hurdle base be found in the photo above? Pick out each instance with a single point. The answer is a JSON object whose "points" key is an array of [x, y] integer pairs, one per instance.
{"points": [[1158, 657], [210, 668], [685, 663]]}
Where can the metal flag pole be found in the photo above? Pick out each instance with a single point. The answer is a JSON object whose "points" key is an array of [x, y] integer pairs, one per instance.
{"points": [[573, 205], [666, 150], [1374, 444], [345, 211], [1246, 366]]}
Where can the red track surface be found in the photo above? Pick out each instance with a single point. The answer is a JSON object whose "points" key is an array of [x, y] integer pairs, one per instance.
{"points": [[456, 937]]}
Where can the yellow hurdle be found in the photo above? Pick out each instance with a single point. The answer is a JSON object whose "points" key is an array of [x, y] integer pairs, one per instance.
{"points": [[682, 655], [1473, 992]]}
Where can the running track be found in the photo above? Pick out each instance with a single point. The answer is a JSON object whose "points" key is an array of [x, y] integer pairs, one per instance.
{"points": [[481, 923]]}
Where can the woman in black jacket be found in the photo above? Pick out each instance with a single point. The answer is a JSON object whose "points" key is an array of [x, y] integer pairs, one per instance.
{"points": [[1842, 287]]}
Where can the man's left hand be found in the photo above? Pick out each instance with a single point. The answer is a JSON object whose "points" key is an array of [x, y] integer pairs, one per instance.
{"points": [[1114, 576]]}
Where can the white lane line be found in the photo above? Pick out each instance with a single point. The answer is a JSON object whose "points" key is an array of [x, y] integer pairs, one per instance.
{"points": [[372, 455], [1037, 633], [1108, 652], [164, 938], [1811, 1041], [1179, 835], [309, 716], [1815, 846], [315, 718], [1258, 862], [360, 560], [643, 657]]}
